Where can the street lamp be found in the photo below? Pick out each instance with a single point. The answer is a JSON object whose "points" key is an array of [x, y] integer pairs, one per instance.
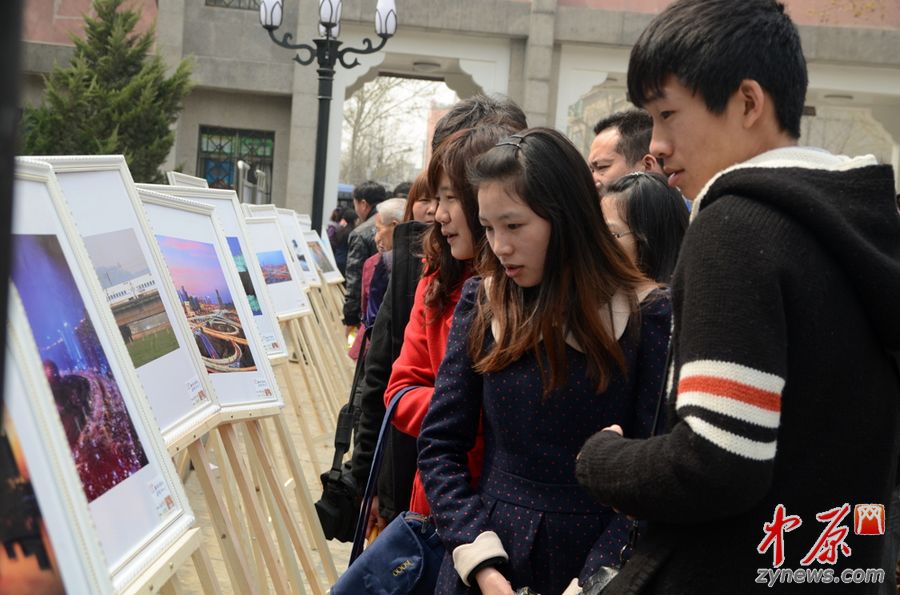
{"points": [[327, 52]]}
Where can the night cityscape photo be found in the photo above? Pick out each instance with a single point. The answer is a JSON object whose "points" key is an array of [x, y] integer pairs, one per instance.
{"points": [[101, 436]]}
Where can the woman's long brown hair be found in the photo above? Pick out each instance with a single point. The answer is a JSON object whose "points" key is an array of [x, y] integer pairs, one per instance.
{"points": [[452, 157], [583, 269]]}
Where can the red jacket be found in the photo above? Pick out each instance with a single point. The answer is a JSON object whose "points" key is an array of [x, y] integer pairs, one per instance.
{"points": [[424, 344]]}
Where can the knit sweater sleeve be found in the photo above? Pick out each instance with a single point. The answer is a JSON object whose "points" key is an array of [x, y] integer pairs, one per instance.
{"points": [[729, 372], [413, 369], [449, 432]]}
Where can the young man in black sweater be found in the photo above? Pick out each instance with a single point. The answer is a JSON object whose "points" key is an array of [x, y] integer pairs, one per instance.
{"points": [[784, 398]]}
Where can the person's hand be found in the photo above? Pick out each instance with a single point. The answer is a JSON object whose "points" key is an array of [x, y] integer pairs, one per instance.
{"points": [[613, 428], [374, 519], [492, 582]]}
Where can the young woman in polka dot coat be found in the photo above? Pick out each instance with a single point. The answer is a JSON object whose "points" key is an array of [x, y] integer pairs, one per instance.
{"points": [[559, 338], [450, 247]]}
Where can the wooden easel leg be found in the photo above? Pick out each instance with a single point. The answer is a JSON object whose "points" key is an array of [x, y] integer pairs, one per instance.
{"points": [[304, 498], [235, 509], [319, 368], [326, 364], [254, 429], [256, 518], [205, 573], [305, 432], [235, 557], [318, 396], [276, 520], [304, 366]]}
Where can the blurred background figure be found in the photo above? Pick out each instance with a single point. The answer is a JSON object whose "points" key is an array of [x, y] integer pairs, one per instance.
{"points": [[420, 205], [360, 246], [401, 190], [649, 219], [340, 239], [622, 145]]}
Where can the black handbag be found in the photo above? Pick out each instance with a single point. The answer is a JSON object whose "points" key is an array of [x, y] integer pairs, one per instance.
{"points": [[339, 504]]}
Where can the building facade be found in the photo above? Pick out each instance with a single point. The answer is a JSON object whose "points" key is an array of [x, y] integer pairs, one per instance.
{"points": [[563, 61]]}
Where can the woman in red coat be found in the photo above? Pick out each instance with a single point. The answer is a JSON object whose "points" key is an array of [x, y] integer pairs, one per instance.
{"points": [[450, 247]]}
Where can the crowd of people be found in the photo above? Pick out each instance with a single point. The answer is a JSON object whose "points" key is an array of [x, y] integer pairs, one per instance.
{"points": [[579, 369]]}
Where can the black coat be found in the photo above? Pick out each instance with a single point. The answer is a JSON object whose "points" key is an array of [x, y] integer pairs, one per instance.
{"points": [[399, 467]]}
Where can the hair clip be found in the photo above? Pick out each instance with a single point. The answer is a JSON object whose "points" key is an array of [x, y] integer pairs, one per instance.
{"points": [[509, 140]]}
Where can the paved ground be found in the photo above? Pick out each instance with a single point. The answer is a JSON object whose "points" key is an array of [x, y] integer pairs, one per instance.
{"points": [[323, 436]]}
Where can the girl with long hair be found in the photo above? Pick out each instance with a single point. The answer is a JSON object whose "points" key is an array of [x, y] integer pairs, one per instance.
{"points": [[559, 337], [450, 247]]}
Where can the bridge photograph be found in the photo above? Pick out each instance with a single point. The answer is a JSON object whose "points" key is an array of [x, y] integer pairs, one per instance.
{"points": [[207, 304]]}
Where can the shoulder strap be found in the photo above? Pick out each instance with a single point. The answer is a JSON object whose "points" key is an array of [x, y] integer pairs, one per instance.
{"points": [[343, 431], [372, 483]]}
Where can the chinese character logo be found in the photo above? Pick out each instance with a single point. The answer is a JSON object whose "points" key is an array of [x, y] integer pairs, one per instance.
{"points": [[781, 524], [831, 542], [868, 519]]}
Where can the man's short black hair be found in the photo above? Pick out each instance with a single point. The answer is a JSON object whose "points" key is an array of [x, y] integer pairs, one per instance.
{"points": [[710, 46], [635, 131], [401, 190], [371, 192], [479, 110]]}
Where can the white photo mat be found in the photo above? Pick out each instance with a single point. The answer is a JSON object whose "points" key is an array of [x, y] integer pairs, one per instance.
{"points": [[282, 279], [211, 296], [102, 199], [231, 218], [293, 236], [320, 250], [135, 502]]}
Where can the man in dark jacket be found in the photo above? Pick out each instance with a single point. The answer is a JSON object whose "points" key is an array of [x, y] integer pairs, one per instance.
{"points": [[395, 480], [360, 246], [785, 401]]}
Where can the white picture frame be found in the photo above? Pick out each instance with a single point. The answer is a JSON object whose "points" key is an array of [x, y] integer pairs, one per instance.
{"points": [[305, 221], [176, 178], [282, 279], [231, 218], [103, 184], [323, 258], [293, 237], [84, 387], [253, 210], [212, 298]]}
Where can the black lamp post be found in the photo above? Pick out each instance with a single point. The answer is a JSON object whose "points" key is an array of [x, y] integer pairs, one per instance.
{"points": [[327, 52]]}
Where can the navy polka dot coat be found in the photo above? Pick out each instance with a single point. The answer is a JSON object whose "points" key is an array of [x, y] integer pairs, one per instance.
{"points": [[548, 524]]}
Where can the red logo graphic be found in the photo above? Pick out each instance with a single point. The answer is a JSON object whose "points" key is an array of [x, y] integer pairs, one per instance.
{"points": [[868, 519], [826, 549], [775, 531]]}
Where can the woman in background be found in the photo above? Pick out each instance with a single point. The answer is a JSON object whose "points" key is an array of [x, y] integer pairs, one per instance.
{"points": [[649, 219]]}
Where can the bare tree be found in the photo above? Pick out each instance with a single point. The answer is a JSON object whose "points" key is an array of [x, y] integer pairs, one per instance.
{"points": [[377, 143]]}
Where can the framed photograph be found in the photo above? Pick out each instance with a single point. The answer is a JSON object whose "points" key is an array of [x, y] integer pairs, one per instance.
{"points": [[282, 279], [139, 293], [213, 303], [293, 236], [251, 210], [77, 370], [322, 257], [176, 178], [229, 215]]}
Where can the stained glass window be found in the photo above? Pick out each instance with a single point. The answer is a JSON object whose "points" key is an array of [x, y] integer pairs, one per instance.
{"points": [[221, 148]]}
